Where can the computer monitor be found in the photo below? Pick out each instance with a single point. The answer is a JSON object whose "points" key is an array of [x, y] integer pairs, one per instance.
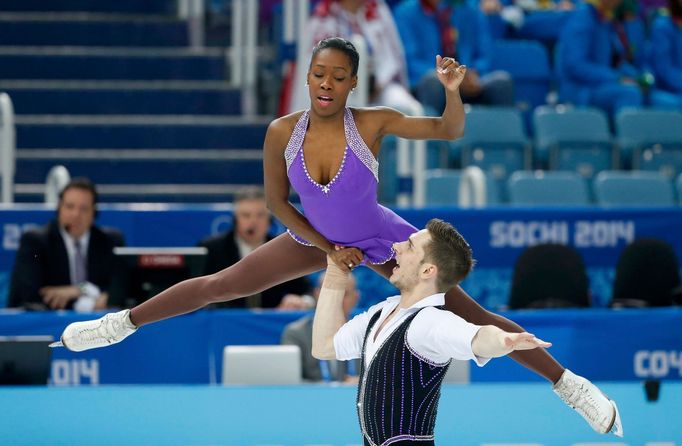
{"points": [[144, 272], [262, 364], [25, 360]]}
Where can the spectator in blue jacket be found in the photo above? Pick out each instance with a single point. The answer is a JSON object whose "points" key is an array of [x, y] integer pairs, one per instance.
{"points": [[450, 28], [666, 38], [632, 50], [650, 7], [590, 66], [528, 19]]}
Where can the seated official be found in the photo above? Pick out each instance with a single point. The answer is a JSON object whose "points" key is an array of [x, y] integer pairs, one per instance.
{"points": [[251, 224], [68, 263]]}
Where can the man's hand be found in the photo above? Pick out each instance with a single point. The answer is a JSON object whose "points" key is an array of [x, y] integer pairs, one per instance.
{"points": [[523, 341], [450, 73], [58, 297], [493, 342]]}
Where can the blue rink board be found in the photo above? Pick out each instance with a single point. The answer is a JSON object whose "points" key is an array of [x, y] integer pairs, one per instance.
{"points": [[477, 414], [603, 344]]}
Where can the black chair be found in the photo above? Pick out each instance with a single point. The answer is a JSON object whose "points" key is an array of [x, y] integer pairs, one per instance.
{"points": [[550, 276], [647, 275]]}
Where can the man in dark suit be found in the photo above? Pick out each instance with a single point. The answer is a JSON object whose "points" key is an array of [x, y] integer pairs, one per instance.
{"points": [[68, 263], [250, 230]]}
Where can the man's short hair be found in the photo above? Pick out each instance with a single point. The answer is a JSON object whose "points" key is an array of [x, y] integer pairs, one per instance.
{"points": [[249, 193], [83, 184], [450, 252]]}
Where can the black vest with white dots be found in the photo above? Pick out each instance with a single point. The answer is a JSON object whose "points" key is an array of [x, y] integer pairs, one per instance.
{"points": [[398, 392]]}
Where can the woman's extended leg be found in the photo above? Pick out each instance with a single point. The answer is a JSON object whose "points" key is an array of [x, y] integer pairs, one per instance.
{"points": [[460, 303], [276, 261], [537, 360]]}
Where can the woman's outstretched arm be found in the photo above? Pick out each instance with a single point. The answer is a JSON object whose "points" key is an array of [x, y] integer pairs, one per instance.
{"points": [[448, 126]]}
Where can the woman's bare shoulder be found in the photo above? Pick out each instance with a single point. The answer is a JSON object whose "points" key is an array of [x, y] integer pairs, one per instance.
{"points": [[372, 119], [280, 129]]}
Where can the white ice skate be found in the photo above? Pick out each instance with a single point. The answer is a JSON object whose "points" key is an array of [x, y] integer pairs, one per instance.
{"points": [[107, 330], [596, 408]]}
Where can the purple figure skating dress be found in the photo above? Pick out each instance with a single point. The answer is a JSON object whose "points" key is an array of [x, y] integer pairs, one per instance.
{"points": [[346, 210]]}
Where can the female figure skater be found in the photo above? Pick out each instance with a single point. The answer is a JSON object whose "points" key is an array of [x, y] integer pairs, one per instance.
{"points": [[329, 155]]}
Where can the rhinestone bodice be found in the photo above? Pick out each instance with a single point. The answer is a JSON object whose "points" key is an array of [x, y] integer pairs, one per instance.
{"points": [[345, 210]]}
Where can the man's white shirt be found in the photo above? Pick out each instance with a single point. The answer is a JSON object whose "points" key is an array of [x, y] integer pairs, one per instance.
{"points": [[434, 334]]}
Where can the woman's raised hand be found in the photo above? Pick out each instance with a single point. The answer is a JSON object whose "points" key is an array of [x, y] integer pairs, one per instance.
{"points": [[450, 73]]}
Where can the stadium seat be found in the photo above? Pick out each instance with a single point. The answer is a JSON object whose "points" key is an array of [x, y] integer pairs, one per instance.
{"points": [[547, 188], [619, 188], [647, 275], [495, 140], [390, 185], [549, 275], [443, 188], [528, 63], [651, 139], [574, 139]]}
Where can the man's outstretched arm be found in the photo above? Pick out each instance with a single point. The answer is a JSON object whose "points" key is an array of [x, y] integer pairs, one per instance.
{"points": [[492, 342]]}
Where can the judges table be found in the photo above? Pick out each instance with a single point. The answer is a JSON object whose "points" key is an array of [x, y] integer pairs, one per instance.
{"points": [[601, 344]]}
